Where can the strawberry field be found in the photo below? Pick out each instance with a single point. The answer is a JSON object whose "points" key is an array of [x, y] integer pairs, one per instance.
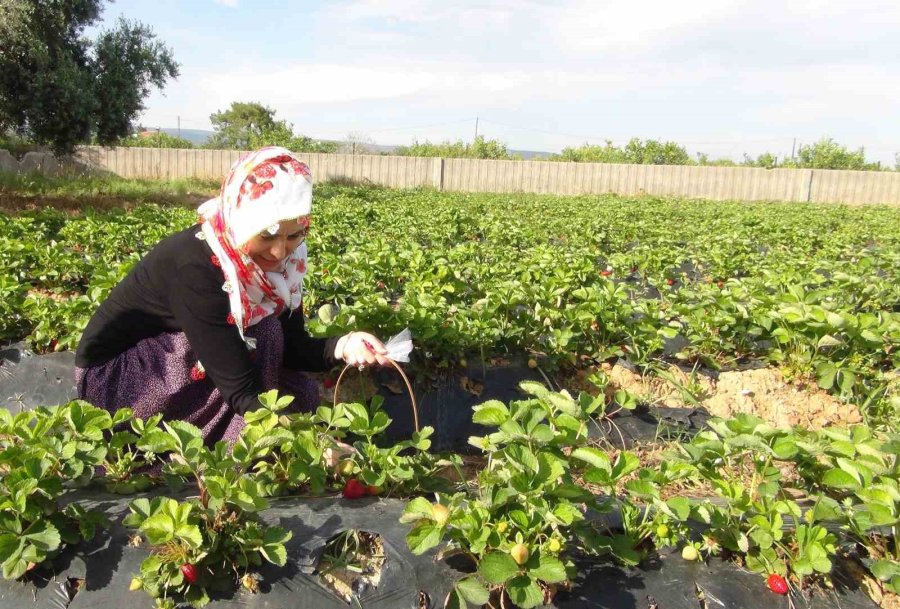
{"points": [[567, 284]]}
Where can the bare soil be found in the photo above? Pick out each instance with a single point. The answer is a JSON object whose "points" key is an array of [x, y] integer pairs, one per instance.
{"points": [[763, 392], [346, 582]]}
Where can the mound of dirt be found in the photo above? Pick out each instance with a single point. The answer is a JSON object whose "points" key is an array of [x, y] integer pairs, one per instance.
{"points": [[760, 391]]}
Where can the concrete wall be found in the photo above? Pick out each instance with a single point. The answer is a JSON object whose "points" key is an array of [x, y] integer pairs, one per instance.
{"points": [[474, 175]]}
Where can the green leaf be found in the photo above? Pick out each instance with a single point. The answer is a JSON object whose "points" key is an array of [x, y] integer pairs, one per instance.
{"points": [[492, 413], [423, 537], [838, 478], [9, 543], [276, 535], [524, 592], [885, 569], [642, 488], [522, 457], [415, 510], [43, 535], [159, 528], [497, 567], [274, 553], [473, 591], [190, 534], [593, 456], [549, 570], [455, 600], [680, 507], [825, 373]]}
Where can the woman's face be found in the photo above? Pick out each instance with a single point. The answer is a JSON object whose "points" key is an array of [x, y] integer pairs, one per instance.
{"points": [[268, 250]]}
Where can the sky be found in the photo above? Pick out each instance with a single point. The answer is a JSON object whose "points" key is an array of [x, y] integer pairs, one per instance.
{"points": [[723, 77]]}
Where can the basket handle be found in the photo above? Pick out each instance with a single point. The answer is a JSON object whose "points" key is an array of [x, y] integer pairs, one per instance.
{"points": [[412, 396]]}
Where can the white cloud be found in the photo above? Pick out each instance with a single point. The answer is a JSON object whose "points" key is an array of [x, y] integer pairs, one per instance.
{"points": [[228, 3], [713, 72]]}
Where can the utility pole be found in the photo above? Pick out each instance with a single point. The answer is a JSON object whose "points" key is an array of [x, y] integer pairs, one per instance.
{"points": [[793, 146], [476, 128], [179, 134]]}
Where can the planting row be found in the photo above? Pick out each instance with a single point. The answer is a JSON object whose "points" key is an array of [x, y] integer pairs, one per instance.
{"points": [[574, 280], [787, 504]]}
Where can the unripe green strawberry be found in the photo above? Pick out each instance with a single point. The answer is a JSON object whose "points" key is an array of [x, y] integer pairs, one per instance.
{"points": [[519, 553], [136, 584], [690, 553], [440, 513]]}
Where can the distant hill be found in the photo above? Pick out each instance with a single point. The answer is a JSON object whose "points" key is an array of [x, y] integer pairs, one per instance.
{"points": [[198, 137]]}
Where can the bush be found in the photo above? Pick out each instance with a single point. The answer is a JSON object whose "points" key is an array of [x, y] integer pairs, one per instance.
{"points": [[636, 151], [478, 149], [149, 139]]}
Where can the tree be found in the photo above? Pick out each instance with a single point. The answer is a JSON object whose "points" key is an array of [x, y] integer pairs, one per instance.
{"points": [[636, 151], [59, 88], [766, 160], [828, 154], [244, 120], [250, 125]]}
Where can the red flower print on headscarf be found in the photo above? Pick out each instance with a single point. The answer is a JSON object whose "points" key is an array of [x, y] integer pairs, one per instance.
{"points": [[301, 266], [257, 190], [264, 171], [300, 169]]}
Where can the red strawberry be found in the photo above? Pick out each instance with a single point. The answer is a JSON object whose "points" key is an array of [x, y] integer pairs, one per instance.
{"points": [[670, 281], [380, 285], [215, 260], [777, 584], [328, 382], [197, 374], [606, 273], [634, 269], [354, 489], [190, 572]]}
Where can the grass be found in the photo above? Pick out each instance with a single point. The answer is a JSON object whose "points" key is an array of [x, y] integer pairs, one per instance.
{"points": [[34, 184]]}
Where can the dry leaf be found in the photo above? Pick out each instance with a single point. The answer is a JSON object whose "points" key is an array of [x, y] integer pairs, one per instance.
{"points": [[395, 387], [472, 386]]}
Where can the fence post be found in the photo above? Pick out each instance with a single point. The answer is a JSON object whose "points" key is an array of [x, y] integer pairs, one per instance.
{"points": [[809, 181], [437, 173]]}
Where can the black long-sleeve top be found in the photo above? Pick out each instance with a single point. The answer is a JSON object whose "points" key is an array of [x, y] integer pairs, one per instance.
{"points": [[177, 287]]}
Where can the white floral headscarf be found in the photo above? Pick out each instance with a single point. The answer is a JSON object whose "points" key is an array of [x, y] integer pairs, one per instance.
{"points": [[262, 189]]}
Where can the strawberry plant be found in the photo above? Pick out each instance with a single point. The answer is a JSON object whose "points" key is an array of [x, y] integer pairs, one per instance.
{"points": [[291, 451], [525, 508], [42, 452], [849, 476], [211, 542], [129, 457]]}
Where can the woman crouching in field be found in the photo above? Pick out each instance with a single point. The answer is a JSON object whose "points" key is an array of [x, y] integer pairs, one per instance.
{"points": [[212, 316]]}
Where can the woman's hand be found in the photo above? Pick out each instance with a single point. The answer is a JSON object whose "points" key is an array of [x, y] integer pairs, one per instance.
{"points": [[361, 349]]}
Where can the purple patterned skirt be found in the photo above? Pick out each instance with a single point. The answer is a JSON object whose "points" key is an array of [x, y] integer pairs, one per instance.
{"points": [[154, 377]]}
